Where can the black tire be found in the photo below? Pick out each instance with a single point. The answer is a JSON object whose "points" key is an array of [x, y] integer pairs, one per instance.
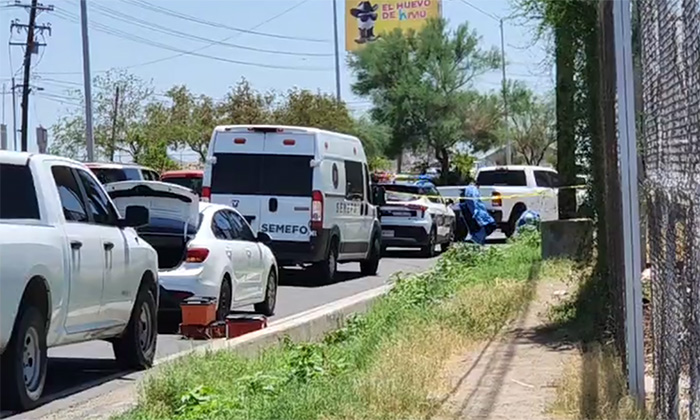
{"points": [[428, 251], [225, 299], [267, 306], [326, 270], [136, 347], [515, 214], [370, 266], [28, 342]]}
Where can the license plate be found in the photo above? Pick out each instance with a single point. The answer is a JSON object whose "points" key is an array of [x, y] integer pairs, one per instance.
{"points": [[388, 233], [401, 213]]}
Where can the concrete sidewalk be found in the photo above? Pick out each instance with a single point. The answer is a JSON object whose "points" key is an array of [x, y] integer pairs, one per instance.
{"points": [[514, 375]]}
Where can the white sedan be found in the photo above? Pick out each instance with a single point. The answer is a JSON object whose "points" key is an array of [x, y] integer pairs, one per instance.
{"points": [[204, 250], [226, 261]]}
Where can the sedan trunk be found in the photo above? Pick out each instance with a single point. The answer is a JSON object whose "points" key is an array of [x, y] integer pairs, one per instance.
{"points": [[174, 212]]}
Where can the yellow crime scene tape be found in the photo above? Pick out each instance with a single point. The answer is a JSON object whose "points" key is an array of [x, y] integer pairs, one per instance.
{"points": [[548, 192]]}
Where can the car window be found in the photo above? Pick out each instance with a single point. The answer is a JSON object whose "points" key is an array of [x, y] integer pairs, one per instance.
{"points": [[434, 195], [222, 228], [502, 177], [241, 226], [17, 193], [69, 192], [399, 192], [195, 184], [545, 179], [100, 207], [354, 181], [250, 174], [109, 175]]}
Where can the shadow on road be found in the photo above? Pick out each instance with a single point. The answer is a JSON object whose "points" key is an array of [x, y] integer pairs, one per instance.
{"points": [[297, 277], [67, 376]]}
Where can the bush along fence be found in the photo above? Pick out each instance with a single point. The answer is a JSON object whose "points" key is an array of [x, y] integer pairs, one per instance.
{"points": [[386, 363]]}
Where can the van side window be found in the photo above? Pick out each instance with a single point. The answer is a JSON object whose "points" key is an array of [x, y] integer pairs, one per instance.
{"points": [[354, 187], [368, 188]]}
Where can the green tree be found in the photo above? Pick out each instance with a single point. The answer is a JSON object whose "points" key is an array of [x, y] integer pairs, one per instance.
{"points": [[420, 84], [191, 119], [532, 123], [304, 108], [116, 123], [375, 138], [244, 105]]}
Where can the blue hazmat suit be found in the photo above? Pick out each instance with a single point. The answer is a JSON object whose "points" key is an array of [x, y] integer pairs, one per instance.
{"points": [[476, 217]]}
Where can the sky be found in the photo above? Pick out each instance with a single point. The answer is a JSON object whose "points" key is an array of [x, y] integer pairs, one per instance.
{"points": [[296, 37]]}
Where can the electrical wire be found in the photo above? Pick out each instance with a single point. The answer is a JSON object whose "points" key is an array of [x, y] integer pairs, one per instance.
{"points": [[478, 9], [123, 17], [159, 9], [62, 14]]}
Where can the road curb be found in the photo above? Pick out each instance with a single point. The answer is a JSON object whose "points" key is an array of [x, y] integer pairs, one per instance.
{"points": [[120, 395]]}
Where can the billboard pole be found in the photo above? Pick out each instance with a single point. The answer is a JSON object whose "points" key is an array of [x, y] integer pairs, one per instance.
{"points": [[337, 50]]}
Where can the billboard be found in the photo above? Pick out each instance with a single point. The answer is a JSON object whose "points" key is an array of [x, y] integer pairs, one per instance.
{"points": [[366, 21]]}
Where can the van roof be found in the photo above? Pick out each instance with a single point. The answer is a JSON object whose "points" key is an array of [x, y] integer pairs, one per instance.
{"points": [[290, 128]]}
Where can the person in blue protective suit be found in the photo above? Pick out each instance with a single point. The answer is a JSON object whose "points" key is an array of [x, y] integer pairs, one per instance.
{"points": [[476, 217]]}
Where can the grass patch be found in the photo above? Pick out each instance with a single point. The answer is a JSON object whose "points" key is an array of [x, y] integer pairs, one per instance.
{"points": [[382, 365], [594, 386]]}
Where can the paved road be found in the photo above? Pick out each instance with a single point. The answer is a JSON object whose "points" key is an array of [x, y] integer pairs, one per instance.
{"points": [[75, 368]]}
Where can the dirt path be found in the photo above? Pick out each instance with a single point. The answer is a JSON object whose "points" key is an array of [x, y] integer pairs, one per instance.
{"points": [[514, 375]]}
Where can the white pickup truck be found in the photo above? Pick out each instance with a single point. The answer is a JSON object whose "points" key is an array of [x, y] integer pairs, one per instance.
{"points": [[515, 189], [71, 270]]}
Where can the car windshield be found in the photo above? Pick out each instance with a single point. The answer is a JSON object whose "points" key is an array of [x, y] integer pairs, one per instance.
{"points": [[109, 175], [502, 177]]}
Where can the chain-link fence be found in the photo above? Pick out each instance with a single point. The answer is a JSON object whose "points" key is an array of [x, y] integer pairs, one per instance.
{"points": [[670, 57]]}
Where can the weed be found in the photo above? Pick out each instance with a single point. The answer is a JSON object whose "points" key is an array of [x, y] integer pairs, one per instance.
{"points": [[380, 365]]}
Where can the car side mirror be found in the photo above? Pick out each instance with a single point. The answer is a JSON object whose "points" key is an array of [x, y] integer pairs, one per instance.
{"points": [[264, 238], [136, 216], [449, 202], [379, 196]]}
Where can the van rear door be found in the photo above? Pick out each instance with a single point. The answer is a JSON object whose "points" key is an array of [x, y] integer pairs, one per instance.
{"points": [[267, 176], [286, 187]]}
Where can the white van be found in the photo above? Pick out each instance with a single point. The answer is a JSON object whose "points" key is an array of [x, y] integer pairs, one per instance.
{"points": [[308, 189]]}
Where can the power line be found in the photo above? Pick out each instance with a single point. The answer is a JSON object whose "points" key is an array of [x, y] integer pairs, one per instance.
{"points": [[171, 57], [159, 9], [137, 39], [123, 17], [478, 9]]}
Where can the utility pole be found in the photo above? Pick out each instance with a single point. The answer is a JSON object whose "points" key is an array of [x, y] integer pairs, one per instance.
{"points": [[115, 115], [87, 81], [509, 146], [14, 115], [31, 47], [337, 50]]}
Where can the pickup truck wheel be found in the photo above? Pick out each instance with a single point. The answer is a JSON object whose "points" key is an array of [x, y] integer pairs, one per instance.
{"points": [[370, 266], [267, 306], [428, 251], [24, 362], [136, 348]]}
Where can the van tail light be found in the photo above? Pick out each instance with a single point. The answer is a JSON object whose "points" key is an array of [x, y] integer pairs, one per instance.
{"points": [[197, 255], [206, 194], [289, 142], [418, 208], [316, 210], [496, 199]]}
